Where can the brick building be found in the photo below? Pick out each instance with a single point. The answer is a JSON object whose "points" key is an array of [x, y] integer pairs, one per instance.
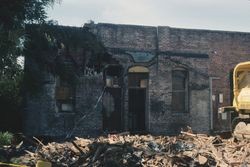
{"points": [[162, 79]]}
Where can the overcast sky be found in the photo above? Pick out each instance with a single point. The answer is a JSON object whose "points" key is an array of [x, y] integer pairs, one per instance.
{"points": [[233, 15]]}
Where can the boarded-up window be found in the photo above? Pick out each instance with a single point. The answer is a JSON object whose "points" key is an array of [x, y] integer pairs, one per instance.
{"points": [[64, 96], [179, 91]]}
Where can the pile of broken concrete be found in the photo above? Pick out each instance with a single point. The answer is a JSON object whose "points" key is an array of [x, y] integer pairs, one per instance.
{"points": [[187, 149]]}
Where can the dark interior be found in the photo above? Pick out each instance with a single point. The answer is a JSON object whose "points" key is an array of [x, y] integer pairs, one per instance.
{"points": [[112, 121], [137, 107], [113, 108]]}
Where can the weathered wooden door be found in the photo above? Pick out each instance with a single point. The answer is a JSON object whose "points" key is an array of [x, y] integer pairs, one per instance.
{"points": [[137, 98]]}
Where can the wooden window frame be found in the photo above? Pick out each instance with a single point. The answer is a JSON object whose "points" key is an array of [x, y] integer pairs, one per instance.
{"points": [[64, 94], [185, 91]]}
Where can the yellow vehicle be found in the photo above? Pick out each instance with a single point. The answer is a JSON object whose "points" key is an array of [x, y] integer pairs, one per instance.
{"points": [[241, 101]]}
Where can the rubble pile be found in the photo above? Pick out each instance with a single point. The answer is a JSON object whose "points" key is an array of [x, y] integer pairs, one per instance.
{"points": [[187, 149]]}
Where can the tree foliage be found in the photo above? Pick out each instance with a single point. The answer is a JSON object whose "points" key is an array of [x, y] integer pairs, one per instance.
{"points": [[14, 15], [45, 41]]}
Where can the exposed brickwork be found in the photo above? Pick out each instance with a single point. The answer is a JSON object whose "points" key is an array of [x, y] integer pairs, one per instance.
{"points": [[88, 91], [162, 118], [127, 37], [225, 50], [203, 53]]}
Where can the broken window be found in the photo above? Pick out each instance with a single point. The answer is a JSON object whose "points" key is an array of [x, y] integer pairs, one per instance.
{"points": [[138, 77], [138, 80], [179, 91], [113, 76], [64, 96]]}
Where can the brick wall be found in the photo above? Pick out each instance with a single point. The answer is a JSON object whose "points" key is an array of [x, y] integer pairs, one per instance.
{"points": [[127, 37], [203, 53], [162, 119], [159, 117], [225, 50], [42, 118]]}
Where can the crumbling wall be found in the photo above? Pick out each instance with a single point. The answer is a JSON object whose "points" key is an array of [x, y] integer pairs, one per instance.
{"points": [[129, 37], [39, 106], [203, 53], [42, 118], [162, 119], [88, 120], [69, 55], [225, 50]]}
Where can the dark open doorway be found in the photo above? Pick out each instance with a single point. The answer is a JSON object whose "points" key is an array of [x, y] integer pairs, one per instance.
{"points": [[112, 99], [137, 98], [137, 108]]}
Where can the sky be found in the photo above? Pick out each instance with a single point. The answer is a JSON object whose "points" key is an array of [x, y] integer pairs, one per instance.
{"points": [[230, 15]]}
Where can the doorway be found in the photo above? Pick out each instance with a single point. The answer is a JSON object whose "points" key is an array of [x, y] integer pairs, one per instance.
{"points": [[137, 108], [137, 98], [112, 99]]}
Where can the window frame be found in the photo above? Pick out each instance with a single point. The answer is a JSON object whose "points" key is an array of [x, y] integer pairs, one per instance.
{"points": [[185, 91], [62, 85]]}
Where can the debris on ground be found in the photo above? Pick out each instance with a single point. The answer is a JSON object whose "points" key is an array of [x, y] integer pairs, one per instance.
{"points": [[187, 149]]}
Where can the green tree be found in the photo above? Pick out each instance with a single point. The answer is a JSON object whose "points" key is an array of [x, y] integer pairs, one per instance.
{"points": [[14, 15]]}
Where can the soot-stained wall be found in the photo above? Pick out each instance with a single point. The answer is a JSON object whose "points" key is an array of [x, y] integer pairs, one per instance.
{"points": [[207, 56]]}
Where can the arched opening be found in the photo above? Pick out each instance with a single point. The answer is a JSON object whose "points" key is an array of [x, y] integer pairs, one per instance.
{"points": [[137, 98], [138, 69]]}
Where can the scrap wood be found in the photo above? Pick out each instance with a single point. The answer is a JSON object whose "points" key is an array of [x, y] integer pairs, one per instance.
{"points": [[77, 147], [38, 141], [187, 149], [194, 135], [189, 134], [246, 153], [30, 153]]}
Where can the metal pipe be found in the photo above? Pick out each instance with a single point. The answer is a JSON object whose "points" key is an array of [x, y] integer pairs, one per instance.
{"points": [[211, 100]]}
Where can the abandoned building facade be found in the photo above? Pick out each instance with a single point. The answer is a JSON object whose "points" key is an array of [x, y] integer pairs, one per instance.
{"points": [[162, 79]]}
